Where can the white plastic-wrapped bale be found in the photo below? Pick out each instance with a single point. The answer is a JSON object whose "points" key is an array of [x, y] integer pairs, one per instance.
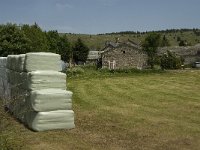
{"points": [[2, 82], [17, 98], [3, 62], [42, 61], [16, 62], [19, 109], [37, 80], [3, 74], [1, 89], [7, 95], [41, 121], [3, 77], [49, 100], [15, 78]]}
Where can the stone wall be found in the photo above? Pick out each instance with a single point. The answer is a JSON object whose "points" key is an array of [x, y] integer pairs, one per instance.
{"points": [[123, 57]]}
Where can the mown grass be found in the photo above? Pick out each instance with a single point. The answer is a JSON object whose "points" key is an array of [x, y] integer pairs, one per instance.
{"points": [[123, 111]]}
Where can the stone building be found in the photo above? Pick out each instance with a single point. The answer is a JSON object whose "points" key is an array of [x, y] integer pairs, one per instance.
{"points": [[93, 57], [123, 56]]}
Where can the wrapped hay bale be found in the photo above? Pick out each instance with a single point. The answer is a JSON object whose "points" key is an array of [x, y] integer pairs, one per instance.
{"points": [[3, 62], [1, 89], [3, 77], [41, 121], [42, 61], [37, 80], [19, 109], [16, 62], [3, 74], [37, 91], [17, 98], [49, 99], [15, 78]]}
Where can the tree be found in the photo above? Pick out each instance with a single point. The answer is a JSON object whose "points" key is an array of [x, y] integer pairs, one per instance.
{"points": [[170, 60], [183, 43], [60, 45], [38, 39], [80, 51], [53, 40], [13, 40], [150, 46], [164, 42], [64, 49], [178, 39]]}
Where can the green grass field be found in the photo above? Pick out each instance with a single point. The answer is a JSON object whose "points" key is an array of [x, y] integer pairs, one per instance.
{"points": [[122, 111]]}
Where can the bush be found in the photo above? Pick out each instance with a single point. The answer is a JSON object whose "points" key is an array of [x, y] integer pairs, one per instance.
{"points": [[75, 71], [170, 60]]}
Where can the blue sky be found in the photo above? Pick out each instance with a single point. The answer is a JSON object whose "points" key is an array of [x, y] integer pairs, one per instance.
{"points": [[101, 16]]}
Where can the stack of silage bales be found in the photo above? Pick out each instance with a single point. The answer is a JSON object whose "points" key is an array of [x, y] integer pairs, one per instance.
{"points": [[16, 100], [43, 102], [3, 78]]}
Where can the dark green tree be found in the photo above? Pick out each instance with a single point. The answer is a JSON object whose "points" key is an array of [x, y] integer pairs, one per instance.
{"points": [[178, 39], [164, 42], [64, 49], [80, 51], [150, 46], [38, 38], [53, 40], [183, 43], [13, 40]]}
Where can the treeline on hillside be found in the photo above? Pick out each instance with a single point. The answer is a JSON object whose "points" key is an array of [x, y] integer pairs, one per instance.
{"points": [[21, 39], [195, 30], [167, 60]]}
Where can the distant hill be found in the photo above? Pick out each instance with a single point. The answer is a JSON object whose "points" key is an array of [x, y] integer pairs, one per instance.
{"points": [[97, 42]]}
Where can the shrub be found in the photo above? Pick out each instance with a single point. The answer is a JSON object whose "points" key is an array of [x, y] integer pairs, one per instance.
{"points": [[75, 71], [170, 60]]}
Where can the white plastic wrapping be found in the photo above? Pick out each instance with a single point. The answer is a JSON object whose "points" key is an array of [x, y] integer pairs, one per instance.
{"points": [[14, 92], [3, 74], [16, 62], [49, 100], [18, 108], [37, 80], [41, 121], [3, 62], [3, 77], [36, 92], [15, 78], [17, 97], [42, 61]]}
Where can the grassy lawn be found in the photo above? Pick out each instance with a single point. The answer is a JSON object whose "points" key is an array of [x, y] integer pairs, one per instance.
{"points": [[129, 111]]}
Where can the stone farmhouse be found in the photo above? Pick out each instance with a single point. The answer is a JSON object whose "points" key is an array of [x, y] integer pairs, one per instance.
{"points": [[126, 55], [123, 56]]}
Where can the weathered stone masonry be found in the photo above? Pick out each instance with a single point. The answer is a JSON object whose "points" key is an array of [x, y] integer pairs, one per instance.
{"points": [[123, 56]]}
